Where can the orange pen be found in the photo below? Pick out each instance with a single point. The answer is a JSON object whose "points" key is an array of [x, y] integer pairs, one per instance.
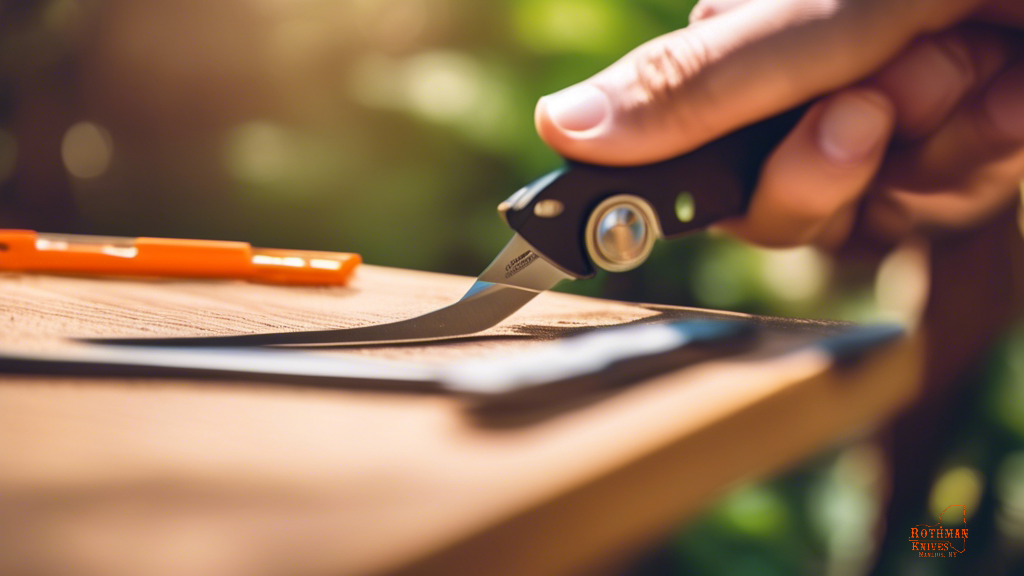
{"points": [[28, 251]]}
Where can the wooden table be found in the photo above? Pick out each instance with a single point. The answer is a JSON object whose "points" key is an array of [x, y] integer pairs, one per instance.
{"points": [[143, 476]]}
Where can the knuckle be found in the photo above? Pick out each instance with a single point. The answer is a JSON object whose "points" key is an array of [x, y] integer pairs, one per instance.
{"points": [[664, 70], [954, 50], [664, 67], [807, 208], [807, 214]]}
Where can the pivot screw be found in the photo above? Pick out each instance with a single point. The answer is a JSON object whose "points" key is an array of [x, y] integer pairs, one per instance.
{"points": [[620, 233]]}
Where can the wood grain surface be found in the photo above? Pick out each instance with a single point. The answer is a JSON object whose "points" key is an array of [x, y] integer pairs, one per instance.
{"points": [[171, 476]]}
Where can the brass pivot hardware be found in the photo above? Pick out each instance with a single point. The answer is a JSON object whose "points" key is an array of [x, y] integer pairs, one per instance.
{"points": [[621, 232]]}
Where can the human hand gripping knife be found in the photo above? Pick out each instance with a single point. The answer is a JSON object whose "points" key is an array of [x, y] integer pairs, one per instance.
{"points": [[567, 224]]}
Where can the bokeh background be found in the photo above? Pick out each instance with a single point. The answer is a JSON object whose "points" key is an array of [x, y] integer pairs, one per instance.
{"points": [[393, 128]]}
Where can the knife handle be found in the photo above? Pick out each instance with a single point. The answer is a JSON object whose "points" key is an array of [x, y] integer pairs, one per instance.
{"points": [[584, 215]]}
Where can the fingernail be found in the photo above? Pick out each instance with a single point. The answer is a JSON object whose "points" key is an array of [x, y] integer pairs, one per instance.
{"points": [[1005, 103], [710, 8], [853, 126], [578, 108]]}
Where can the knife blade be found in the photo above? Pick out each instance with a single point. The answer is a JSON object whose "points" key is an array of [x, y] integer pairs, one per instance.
{"points": [[567, 224]]}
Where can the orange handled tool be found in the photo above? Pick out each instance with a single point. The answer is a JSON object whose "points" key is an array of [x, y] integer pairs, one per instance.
{"points": [[28, 251]]}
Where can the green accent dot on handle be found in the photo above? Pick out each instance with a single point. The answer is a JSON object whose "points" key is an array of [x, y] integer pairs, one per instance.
{"points": [[686, 207]]}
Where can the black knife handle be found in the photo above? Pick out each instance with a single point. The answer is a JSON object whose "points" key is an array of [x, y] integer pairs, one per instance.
{"points": [[718, 178]]}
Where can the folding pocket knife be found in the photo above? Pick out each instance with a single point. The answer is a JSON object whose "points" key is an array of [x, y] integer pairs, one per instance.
{"points": [[567, 224]]}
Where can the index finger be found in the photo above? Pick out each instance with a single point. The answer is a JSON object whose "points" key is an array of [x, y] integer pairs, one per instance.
{"points": [[760, 58]]}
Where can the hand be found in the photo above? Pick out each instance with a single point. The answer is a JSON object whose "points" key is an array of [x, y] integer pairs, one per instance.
{"points": [[919, 125]]}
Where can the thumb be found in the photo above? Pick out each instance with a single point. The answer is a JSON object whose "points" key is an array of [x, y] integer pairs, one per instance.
{"points": [[687, 87]]}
